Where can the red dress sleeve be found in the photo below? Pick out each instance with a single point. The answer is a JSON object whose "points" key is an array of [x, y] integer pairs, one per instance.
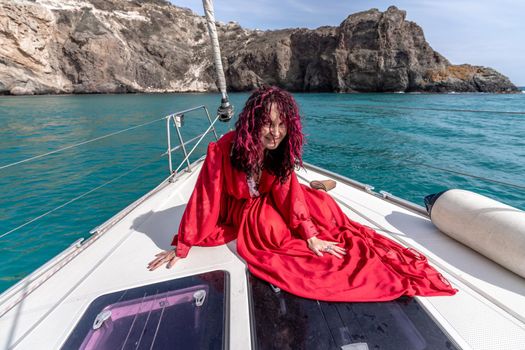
{"points": [[200, 222], [290, 202]]}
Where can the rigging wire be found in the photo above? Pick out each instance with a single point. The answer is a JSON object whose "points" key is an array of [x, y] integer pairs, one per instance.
{"points": [[78, 197], [79, 144], [156, 159], [466, 174], [452, 171], [437, 109], [108, 182], [218, 117], [196, 144]]}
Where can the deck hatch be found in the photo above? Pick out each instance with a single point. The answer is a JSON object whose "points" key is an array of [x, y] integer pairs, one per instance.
{"points": [[284, 321], [186, 313]]}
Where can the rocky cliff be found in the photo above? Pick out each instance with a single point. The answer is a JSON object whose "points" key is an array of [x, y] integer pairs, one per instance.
{"points": [[106, 46]]}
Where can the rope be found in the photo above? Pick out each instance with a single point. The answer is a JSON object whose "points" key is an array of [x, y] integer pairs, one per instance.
{"points": [[79, 144], [437, 109], [210, 20], [225, 110], [466, 174], [77, 198]]}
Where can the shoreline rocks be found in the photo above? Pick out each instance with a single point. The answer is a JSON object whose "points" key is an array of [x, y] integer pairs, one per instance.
{"points": [[121, 46]]}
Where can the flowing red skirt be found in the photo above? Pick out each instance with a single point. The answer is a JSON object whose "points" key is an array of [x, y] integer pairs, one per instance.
{"points": [[374, 269], [272, 230]]}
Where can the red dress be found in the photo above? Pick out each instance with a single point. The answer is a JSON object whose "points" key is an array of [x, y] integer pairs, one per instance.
{"points": [[271, 232]]}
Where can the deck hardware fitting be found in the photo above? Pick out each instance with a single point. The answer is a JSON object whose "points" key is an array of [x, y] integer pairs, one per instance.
{"points": [[101, 318], [199, 297]]}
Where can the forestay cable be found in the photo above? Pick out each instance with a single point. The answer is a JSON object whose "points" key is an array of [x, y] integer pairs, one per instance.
{"points": [[225, 110]]}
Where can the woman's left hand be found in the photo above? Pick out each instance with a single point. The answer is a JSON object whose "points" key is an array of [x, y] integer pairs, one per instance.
{"points": [[318, 246], [168, 257]]}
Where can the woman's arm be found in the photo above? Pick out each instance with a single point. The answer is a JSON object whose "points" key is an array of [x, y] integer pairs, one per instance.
{"points": [[290, 202], [201, 216]]}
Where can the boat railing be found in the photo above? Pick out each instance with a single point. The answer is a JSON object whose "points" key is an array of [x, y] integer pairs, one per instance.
{"points": [[42, 274], [177, 118], [174, 120], [370, 189], [178, 121]]}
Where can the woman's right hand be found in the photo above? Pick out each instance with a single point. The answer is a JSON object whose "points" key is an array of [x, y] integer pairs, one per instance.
{"points": [[168, 257], [318, 246]]}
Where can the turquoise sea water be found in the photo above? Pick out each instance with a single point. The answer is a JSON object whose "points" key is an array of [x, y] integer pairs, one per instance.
{"points": [[386, 140]]}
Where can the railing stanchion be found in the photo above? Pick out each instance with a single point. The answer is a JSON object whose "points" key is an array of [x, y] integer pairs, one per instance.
{"points": [[169, 143], [176, 122]]}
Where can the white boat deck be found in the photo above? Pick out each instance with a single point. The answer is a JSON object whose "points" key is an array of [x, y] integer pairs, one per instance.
{"points": [[488, 312]]}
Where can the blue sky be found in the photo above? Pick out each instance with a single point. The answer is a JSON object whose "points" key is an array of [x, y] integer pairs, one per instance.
{"points": [[480, 32]]}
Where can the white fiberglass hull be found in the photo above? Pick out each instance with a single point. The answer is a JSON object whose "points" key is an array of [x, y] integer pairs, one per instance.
{"points": [[488, 312]]}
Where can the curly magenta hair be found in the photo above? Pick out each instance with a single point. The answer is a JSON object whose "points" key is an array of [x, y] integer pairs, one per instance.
{"points": [[247, 146]]}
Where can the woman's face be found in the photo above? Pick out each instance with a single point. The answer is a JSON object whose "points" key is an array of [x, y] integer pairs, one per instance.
{"points": [[275, 131]]}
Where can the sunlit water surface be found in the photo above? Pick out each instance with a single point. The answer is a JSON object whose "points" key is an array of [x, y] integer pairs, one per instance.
{"points": [[386, 140]]}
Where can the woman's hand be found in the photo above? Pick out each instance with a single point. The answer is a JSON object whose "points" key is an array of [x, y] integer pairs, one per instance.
{"points": [[168, 257], [318, 246]]}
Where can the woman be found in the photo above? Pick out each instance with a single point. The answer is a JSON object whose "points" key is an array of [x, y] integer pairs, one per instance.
{"points": [[290, 235]]}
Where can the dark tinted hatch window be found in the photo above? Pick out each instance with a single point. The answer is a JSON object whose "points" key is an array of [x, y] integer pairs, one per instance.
{"points": [[284, 321], [186, 313]]}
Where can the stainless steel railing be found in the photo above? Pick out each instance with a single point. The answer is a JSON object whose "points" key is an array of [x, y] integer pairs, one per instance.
{"points": [[178, 121], [18, 292]]}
